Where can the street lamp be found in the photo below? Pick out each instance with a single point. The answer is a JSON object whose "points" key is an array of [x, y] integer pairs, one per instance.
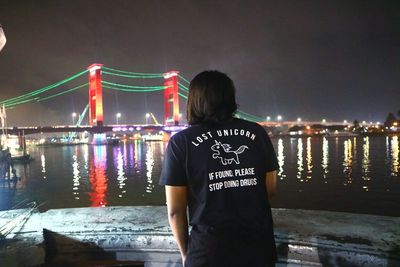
{"points": [[323, 120], [147, 118], [117, 116], [279, 117], [73, 118], [268, 118], [298, 119]]}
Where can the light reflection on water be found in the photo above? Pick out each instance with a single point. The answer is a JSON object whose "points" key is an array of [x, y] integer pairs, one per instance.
{"points": [[97, 177], [76, 176], [347, 161], [357, 174], [300, 159], [281, 159], [120, 170], [325, 158], [309, 159], [149, 167], [392, 154], [366, 163], [43, 163]]}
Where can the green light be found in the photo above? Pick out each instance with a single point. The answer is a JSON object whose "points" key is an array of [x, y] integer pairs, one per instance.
{"points": [[132, 86], [61, 93], [134, 90], [132, 76], [183, 78], [21, 102], [133, 73], [182, 95], [44, 89], [248, 115], [184, 88], [12, 102]]}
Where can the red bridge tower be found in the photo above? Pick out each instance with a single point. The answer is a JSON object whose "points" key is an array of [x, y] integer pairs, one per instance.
{"points": [[95, 95], [171, 98]]}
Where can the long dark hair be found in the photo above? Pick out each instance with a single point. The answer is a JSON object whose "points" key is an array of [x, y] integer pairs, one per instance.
{"points": [[211, 98]]}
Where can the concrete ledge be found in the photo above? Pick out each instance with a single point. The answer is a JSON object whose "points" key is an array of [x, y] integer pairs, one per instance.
{"points": [[304, 237]]}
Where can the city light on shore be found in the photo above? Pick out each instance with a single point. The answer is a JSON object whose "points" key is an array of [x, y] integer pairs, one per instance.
{"points": [[118, 116], [73, 117]]}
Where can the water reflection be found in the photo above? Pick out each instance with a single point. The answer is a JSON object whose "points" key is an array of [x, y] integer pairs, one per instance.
{"points": [[149, 166], [281, 159], [348, 162], [392, 154], [131, 156], [125, 155], [355, 148], [138, 156], [309, 159], [325, 158], [127, 174], [43, 162], [97, 177], [85, 149], [299, 159], [365, 165], [120, 171], [75, 175]]}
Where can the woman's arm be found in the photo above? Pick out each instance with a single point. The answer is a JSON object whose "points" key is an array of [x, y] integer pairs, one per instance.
{"points": [[270, 183], [176, 203]]}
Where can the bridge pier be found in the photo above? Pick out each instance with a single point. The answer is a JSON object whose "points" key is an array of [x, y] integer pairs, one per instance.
{"points": [[97, 138]]}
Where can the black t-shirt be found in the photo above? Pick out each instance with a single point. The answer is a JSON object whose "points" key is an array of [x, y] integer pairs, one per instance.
{"points": [[224, 168]]}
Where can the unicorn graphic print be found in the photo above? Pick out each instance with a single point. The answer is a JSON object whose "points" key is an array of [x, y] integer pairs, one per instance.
{"points": [[225, 154]]}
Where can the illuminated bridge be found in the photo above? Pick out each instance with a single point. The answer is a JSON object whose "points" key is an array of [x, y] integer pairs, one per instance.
{"points": [[174, 85]]}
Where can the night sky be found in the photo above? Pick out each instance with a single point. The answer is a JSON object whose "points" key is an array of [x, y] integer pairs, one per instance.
{"points": [[311, 59]]}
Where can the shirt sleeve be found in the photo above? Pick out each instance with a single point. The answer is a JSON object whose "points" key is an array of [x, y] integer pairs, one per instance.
{"points": [[173, 170], [271, 161]]}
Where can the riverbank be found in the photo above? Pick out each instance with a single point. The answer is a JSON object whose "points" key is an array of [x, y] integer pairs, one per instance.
{"points": [[70, 237]]}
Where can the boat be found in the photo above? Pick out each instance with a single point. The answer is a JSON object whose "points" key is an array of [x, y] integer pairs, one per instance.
{"points": [[21, 158]]}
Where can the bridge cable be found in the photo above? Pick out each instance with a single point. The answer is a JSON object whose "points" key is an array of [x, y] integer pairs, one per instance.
{"points": [[133, 73], [43, 89], [61, 93], [133, 90], [132, 86], [132, 76]]}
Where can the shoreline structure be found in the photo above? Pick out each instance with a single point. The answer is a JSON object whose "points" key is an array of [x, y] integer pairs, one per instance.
{"points": [[70, 237]]}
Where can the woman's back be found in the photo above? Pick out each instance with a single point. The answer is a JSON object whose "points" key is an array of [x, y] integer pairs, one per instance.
{"points": [[220, 167], [224, 169]]}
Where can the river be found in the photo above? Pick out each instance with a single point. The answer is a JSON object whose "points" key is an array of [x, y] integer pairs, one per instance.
{"points": [[350, 174]]}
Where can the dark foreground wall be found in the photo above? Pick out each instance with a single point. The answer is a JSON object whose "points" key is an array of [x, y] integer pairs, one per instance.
{"points": [[70, 237]]}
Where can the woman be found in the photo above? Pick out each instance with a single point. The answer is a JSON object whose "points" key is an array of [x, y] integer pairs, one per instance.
{"points": [[223, 169]]}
